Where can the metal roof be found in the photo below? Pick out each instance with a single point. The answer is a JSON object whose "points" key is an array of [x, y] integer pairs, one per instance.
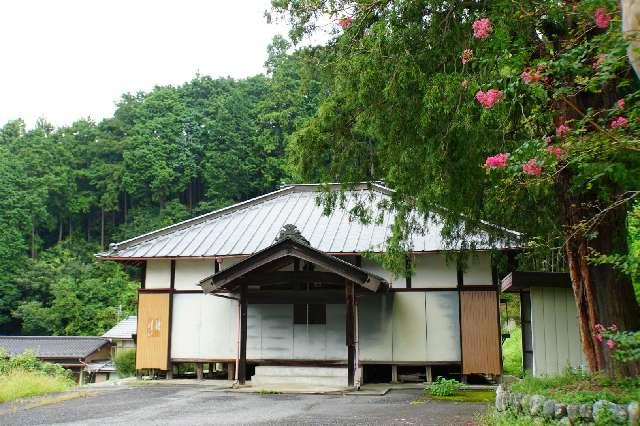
{"points": [[52, 347], [125, 329], [245, 228]]}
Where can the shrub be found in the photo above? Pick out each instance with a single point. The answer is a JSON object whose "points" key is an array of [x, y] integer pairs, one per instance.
{"points": [[29, 363], [512, 353], [444, 387], [126, 363]]}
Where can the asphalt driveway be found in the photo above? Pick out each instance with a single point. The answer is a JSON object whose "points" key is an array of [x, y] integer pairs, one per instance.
{"points": [[195, 405]]}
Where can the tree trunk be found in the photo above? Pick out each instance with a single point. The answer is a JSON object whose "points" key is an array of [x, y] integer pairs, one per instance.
{"points": [[33, 237], [59, 229], [602, 294]]}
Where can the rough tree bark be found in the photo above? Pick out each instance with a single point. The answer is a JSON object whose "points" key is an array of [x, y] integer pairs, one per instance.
{"points": [[602, 294]]}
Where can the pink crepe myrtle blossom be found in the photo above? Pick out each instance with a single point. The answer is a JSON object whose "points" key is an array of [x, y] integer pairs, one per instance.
{"points": [[598, 337], [467, 55], [530, 76], [613, 327], [562, 130], [556, 150], [611, 344], [602, 18], [532, 168], [489, 98], [345, 22], [481, 28], [619, 122], [547, 139], [497, 161], [620, 103], [598, 327]]}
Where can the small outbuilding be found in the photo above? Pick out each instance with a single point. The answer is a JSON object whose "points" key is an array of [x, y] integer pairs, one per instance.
{"points": [[122, 335], [550, 335], [71, 352]]}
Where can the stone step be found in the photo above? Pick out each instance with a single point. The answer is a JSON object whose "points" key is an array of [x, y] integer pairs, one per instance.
{"points": [[284, 371], [324, 381]]}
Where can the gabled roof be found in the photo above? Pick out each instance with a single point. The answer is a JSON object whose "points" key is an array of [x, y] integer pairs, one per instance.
{"points": [[53, 347], [125, 329], [245, 228], [287, 250]]}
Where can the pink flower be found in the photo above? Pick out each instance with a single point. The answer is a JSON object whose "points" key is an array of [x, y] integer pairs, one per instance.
{"points": [[490, 98], [481, 28], [547, 139], [619, 122], [497, 161], [562, 130], [531, 168], [611, 344], [345, 22], [598, 337], [620, 103], [464, 83], [602, 18], [530, 76], [467, 54], [598, 327], [613, 327], [556, 150]]}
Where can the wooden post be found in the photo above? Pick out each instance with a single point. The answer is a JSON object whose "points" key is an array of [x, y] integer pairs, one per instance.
{"points": [[199, 371], [350, 332], [428, 376], [394, 373], [242, 364], [231, 371], [170, 371]]}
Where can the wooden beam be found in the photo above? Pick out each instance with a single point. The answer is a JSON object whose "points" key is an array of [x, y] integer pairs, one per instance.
{"points": [[291, 277], [169, 325], [522, 281], [350, 332], [242, 364]]}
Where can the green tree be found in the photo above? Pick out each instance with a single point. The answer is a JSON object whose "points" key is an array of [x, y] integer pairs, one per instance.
{"points": [[411, 104]]}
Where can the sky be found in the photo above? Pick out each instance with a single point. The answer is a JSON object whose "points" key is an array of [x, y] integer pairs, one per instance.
{"points": [[68, 59]]}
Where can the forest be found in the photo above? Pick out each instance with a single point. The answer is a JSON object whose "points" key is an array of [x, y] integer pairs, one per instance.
{"points": [[164, 156]]}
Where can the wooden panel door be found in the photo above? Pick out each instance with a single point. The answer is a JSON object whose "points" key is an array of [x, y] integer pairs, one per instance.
{"points": [[153, 330], [480, 332]]}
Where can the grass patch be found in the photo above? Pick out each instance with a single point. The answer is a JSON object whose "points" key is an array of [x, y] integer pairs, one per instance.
{"points": [[512, 353], [268, 392], [21, 384], [462, 396], [573, 387], [492, 417]]}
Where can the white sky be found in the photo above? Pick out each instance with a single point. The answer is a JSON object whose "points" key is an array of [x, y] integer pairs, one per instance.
{"points": [[68, 59]]}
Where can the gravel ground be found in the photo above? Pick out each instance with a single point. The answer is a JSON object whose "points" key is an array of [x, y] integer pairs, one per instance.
{"points": [[193, 405]]}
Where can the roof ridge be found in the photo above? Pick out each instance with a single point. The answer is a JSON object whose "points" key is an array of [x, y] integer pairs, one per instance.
{"points": [[289, 188]]}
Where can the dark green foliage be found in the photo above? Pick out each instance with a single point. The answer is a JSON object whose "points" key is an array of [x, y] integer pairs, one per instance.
{"points": [[164, 156], [126, 363], [444, 387]]}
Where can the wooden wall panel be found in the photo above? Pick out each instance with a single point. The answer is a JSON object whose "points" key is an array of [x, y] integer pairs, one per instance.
{"points": [[480, 334], [153, 330]]}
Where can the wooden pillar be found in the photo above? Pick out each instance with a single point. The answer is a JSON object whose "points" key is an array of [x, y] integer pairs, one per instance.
{"points": [[199, 371], [231, 371], [394, 373], [428, 376], [242, 364], [350, 332], [170, 371]]}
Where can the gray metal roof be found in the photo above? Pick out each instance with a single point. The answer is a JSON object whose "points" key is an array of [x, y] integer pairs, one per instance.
{"points": [[250, 226], [52, 347], [124, 329]]}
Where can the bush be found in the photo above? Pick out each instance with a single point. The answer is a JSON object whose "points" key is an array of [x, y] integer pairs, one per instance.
{"points": [[444, 387], [512, 353], [126, 363], [27, 362]]}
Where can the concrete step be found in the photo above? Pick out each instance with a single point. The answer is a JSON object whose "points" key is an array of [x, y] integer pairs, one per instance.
{"points": [[283, 375], [268, 370], [266, 381]]}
